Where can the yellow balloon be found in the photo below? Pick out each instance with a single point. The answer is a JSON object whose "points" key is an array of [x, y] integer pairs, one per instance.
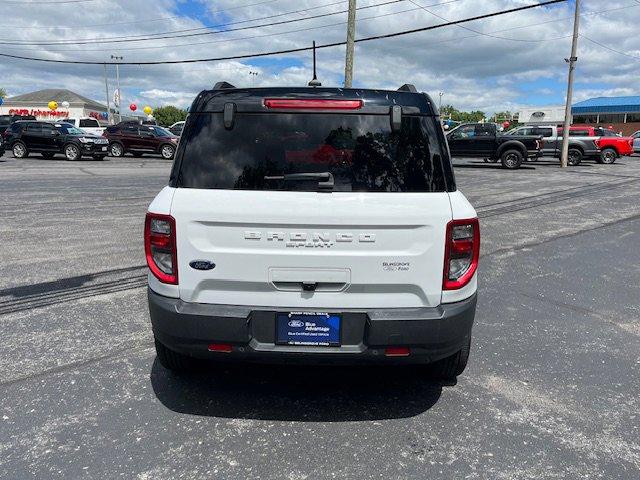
{"points": [[147, 110], [53, 105]]}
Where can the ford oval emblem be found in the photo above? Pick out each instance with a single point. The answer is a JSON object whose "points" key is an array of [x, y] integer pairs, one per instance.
{"points": [[296, 323], [202, 265]]}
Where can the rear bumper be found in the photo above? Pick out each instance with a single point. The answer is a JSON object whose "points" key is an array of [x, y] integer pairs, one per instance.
{"points": [[431, 333]]}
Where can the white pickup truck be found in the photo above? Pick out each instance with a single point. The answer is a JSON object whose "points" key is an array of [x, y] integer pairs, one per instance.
{"points": [[88, 124]]}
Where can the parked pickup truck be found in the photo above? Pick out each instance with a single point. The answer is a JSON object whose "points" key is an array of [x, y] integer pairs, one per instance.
{"points": [[611, 145], [88, 124], [580, 147], [482, 140]]}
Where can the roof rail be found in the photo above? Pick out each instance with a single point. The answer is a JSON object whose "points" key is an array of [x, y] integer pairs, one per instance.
{"points": [[407, 87], [223, 86]]}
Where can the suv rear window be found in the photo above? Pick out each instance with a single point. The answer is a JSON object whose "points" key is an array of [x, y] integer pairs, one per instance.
{"points": [[359, 150], [88, 122]]}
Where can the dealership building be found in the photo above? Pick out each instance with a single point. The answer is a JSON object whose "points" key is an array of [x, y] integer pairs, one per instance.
{"points": [[620, 113], [36, 104]]}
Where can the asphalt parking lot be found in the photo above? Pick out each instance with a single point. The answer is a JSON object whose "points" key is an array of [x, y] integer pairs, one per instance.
{"points": [[551, 390]]}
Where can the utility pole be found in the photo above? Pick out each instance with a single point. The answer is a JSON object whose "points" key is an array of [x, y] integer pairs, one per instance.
{"points": [[106, 87], [115, 57], [351, 36], [564, 159]]}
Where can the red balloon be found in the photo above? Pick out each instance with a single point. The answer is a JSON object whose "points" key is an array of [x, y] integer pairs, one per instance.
{"points": [[133, 107]]}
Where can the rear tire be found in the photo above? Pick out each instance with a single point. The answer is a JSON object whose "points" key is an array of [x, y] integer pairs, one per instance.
{"points": [[450, 367], [20, 150], [608, 156], [116, 150], [174, 361], [574, 157], [167, 152], [511, 159]]}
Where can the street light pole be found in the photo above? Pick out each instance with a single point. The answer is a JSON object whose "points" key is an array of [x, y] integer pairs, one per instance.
{"points": [[351, 36], [440, 102], [564, 158], [106, 87], [254, 76], [114, 57]]}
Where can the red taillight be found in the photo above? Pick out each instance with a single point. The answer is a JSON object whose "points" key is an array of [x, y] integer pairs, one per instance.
{"points": [[461, 253], [160, 247], [630, 142], [312, 104]]}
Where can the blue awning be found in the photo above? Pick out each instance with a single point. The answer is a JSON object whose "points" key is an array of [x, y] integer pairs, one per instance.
{"points": [[608, 105]]}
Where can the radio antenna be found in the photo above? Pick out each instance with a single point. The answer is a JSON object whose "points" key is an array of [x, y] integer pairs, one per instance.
{"points": [[314, 81]]}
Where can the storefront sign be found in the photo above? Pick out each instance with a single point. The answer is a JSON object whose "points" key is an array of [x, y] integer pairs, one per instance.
{"points": [[39, 113]]}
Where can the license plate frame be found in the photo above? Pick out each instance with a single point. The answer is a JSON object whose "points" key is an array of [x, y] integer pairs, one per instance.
{"points": [[308, 329]]}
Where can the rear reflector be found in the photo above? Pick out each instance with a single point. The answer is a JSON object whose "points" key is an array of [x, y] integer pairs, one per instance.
{"points": [[219, 347], [312, 104], [396, 351]]}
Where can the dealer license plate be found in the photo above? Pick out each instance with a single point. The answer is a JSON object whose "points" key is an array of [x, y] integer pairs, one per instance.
{"points": [[308, 328]]}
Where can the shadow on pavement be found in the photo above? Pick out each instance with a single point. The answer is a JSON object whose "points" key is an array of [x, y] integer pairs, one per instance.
{"points": [[298, 393], [495, 166]]}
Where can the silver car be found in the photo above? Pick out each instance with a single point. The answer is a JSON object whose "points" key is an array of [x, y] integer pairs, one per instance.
{"points": [[636, 142]]}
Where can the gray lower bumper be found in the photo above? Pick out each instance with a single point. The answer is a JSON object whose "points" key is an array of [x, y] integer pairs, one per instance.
{"points": [[431, 333]]}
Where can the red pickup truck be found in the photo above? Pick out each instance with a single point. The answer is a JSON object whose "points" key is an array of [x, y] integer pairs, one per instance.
{"points": [[611, 145]]}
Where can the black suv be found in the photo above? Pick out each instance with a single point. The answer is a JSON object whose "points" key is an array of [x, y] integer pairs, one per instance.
{"points": [[132, 137], [5, 121], [25, 137]]}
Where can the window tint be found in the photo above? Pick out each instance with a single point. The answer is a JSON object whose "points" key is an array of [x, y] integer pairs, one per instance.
{"points": [[484, 130], [88, 122], [5, 119], [466, 131], [47, 129], [360, 151], [605, 132], [579, 133], [545, 132], [34, 128]]}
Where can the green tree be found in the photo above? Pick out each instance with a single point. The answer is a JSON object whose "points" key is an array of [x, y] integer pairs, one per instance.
{"points": [[450, 112], [3, 93], [167, 116]]}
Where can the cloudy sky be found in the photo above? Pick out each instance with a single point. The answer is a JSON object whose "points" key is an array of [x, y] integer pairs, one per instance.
{"points": [[517, 60]]}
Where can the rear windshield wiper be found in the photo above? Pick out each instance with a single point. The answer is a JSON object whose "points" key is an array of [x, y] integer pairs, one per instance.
{"points": [[325, 179]]}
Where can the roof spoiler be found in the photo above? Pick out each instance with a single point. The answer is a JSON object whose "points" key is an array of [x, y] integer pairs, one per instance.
{"points": [[407, 87], [223, 86]]}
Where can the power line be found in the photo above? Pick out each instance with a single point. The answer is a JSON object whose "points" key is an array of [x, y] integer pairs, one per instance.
{"points": [[252, 37], [299, 49], [44, 2], [609, 48], [206, 27], [166, 35], [159, 19], [468, 28], [307, 29]]}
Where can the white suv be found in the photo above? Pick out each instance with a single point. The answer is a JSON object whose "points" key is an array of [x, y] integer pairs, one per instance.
{"points": [[312, 224]]}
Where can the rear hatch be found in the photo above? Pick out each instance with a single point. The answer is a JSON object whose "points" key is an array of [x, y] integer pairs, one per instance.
{"points": [[320, 205]]}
